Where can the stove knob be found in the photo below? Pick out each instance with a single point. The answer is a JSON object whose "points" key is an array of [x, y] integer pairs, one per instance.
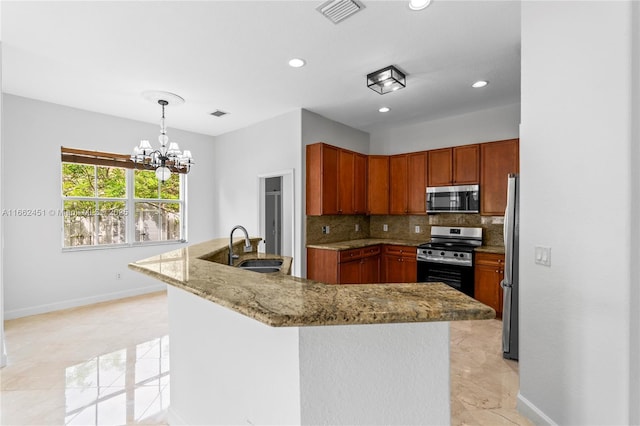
{"points": [[441, 253], [429, 252], [455, 255]]}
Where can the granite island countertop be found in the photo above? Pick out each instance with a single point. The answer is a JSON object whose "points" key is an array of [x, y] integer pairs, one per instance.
{"points": [[281, 300], [490, 249]]}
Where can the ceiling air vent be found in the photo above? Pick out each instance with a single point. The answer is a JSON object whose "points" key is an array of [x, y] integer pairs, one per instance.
{"points": [[218, 113], [338, 10]]}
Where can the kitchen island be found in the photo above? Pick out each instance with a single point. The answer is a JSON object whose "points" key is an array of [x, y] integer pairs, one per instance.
{"points": [[276, 349]]}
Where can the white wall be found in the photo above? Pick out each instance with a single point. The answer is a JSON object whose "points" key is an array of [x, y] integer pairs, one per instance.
{"points": [[241, 156], [480, 126], [576, 166], [3, 357], [38, 276], [316, 128]]}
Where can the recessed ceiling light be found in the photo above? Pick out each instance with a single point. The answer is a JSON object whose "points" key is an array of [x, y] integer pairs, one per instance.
{"points": [[418, 4], [297, 63], [480, 83], [384, 109]]}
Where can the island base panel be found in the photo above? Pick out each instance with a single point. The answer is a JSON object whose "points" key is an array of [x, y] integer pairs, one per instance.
{"points": [[230, 369]]}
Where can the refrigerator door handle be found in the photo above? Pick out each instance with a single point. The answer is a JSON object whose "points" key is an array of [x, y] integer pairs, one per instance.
{"points": [[506, 319]]}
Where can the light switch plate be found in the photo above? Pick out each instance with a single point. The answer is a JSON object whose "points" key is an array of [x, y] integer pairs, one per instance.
{"points": [[325, 229], [417, 229], [357, 227], [385, 227], [543, 255]]}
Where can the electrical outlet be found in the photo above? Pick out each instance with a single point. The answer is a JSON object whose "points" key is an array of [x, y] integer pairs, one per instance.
{"points": [[325, 229], [357, 227], [417, 229], [118, 276], [385, 227], [543, 255]]}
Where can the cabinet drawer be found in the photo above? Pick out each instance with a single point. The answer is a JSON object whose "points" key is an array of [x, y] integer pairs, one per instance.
{"points": [[347, 255], [404, 251], [491, 259], [371, 251]]}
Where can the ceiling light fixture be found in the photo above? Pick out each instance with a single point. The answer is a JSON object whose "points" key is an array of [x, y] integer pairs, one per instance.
{"points": [[384, 109], [480, 83], [166, 159], [419, 4], [297, 63], [385, 80]]}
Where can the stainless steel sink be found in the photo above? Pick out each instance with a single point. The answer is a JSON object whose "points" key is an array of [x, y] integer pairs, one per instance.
{"points": [[260, 263], [261, 269], [264, 266]]}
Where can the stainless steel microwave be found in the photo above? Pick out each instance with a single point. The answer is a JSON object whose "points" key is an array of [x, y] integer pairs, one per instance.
{"points": [[453, 199]]}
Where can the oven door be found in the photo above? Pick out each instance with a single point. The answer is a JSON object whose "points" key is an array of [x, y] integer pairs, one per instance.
{"points": [[456, 276]]}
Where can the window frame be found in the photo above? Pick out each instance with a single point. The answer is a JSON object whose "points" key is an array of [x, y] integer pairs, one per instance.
{"points": [[129, 202]]}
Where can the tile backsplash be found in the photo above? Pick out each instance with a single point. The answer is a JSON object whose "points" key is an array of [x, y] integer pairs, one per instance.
{"points": [[342, 227]]}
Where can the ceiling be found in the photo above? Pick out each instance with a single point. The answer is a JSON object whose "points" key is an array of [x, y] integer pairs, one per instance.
{"points": [[232, 56]]}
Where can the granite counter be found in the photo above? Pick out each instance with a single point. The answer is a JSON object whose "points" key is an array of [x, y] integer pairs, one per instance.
{"points": [[280, 300]]}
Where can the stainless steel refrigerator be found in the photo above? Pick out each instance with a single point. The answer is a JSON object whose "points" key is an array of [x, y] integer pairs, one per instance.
{"points": [[510, 283]]}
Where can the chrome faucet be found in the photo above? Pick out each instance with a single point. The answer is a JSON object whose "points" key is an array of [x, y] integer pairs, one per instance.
{"points": [[247, 243]]}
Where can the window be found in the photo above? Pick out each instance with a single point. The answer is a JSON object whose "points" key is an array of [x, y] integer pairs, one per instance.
{"points": [[114, 205]]}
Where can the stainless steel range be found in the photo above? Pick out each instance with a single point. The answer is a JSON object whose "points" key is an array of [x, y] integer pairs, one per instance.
{"points": [[448, 257]]}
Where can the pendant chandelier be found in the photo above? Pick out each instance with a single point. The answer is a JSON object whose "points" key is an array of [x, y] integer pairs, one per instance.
{"points": [[168, 158]]}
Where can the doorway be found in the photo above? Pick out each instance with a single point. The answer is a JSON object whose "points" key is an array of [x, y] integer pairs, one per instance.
{"points": [[273, 215], [276, 218]]}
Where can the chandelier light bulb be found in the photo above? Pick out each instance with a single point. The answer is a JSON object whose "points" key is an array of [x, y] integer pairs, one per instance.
{"points": [[163, 173]]}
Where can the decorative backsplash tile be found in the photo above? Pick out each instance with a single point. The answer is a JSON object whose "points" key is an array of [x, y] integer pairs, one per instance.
{"points": [[400, 227], [343, 227]]}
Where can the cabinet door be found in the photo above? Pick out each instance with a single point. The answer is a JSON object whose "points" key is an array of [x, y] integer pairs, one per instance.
{"points": [[370, 270], [466, 164], [398, 184], [350, 272], [346, 178], [497, 160], [393, 269], [378, 184], [322, 179], [440, 168], [410, 269], [489, 272], [417, 182], [360, 184]]}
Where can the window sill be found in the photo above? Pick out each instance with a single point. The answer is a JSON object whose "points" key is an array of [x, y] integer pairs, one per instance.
{"points": [[121, 246]]}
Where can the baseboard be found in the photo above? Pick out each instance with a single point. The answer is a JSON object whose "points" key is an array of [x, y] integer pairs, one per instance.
{"points": [[74, 303], [533, 413]]}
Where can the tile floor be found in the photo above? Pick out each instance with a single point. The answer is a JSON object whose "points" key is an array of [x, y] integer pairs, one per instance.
{"points": [[108, 364]]}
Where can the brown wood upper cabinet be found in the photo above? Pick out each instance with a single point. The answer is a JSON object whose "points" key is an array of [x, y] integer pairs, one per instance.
{"points": [[336, 181], [454, 166], [498, 160], [378, 184], [407, 183]]}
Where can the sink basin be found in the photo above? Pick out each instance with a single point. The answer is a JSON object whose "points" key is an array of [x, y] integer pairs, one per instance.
{"points": [[262, 269], [261, 265], [272, 263]]}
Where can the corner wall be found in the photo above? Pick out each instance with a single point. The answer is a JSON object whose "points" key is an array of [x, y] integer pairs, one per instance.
{"points": [[40, 277], [238, 159], [576, 342]]}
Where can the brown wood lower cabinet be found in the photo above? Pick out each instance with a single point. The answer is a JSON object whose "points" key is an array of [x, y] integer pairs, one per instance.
{"points": [[489, 272], [399, 264], [355, 266], [368, 265]]}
